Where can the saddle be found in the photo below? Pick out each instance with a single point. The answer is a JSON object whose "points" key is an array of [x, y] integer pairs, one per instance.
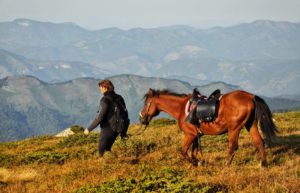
{"points": [[203, 109]]}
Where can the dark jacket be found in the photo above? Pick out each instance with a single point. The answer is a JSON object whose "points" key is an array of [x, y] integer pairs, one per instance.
{"points": [[105, 111]]}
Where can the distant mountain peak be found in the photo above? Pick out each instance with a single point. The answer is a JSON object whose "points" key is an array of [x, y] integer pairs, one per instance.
{"points": [[276, 25], [29, 22], [26, 22], [263, 22], [24, 78], [23, 20]]}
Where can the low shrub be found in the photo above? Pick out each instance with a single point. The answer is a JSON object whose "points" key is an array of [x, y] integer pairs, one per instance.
{"points": [[6, 159], [77, 129], [162, 122], [45, 157], [8, 145], [83, 154], [78, 140]]}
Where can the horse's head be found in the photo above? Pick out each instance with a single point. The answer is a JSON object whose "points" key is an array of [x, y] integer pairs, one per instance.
{"points": [[150, 108]]}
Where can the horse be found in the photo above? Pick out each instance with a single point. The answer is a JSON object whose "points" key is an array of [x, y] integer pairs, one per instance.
{"points": [[237, 109]]}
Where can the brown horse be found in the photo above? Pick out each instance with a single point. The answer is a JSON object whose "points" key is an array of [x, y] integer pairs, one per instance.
{"points": [[236, 110]]}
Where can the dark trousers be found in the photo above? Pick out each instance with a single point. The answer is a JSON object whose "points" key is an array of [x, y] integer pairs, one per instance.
{"points": [[106, 140]]}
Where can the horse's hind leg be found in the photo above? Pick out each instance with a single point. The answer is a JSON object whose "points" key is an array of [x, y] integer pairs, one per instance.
{"points": [[232, 144], [258, 142]]}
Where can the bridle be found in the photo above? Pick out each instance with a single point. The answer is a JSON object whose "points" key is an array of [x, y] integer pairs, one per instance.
{"points": [[141, 130], [149, 105], [148, 108]]}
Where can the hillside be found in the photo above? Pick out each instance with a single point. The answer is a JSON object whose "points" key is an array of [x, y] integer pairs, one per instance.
{"points": [[151, 162], [31, 107]]}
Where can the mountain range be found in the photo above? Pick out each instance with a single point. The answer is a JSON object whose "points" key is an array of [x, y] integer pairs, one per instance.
{"points": [[49, 71], [261, 56], [31, 107]]}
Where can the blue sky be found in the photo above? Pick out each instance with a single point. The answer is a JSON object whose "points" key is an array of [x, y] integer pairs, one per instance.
{"points": [[98, 14]]}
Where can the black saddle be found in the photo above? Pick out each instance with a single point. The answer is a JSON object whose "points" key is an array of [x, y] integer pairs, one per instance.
{"points": [[215, 95], [206, 109]]}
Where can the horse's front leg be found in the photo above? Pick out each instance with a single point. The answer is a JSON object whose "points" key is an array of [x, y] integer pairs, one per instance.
{"points": [[197, 147], [188, 140]]}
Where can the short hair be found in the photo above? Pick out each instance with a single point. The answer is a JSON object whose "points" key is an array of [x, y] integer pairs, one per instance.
{"points": [[107, 84]]}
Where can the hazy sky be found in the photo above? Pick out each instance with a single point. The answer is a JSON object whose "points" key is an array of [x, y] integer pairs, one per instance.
{"points": [[97, 14]]}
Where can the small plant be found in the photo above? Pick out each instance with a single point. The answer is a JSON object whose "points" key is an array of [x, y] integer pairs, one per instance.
{"points": [[77, 129], [136, 148]]}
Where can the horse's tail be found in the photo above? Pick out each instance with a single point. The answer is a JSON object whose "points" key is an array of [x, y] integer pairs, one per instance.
{"points": [[264, 116]]}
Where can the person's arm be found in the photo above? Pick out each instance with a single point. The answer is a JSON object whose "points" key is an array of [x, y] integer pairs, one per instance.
{"points": [[103, 109], [123, 102]]}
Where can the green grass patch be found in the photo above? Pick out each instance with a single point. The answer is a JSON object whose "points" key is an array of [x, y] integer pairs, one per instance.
{"points": [[166, 181], [162, 122], [45, 157]]}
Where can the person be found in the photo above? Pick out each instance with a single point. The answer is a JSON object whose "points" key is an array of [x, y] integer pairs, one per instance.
{"points": [[106, 112]]}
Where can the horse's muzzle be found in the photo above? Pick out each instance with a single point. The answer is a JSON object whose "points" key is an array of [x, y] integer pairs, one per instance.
{"points": [[144, 120]]}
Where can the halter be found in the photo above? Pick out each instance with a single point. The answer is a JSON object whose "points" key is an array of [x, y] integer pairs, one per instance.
{"points": [[146, 115], [148, 108]]}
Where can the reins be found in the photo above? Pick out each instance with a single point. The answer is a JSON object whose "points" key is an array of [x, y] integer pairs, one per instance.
{"points": [[141, 130]]}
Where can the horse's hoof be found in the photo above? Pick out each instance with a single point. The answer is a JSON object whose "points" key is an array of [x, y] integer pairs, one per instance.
{"points": [[195, 162], [264, 164], [203, 163]]}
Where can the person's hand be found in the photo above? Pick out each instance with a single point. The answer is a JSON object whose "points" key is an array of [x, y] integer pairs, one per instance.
{"points": [[86, 131]]}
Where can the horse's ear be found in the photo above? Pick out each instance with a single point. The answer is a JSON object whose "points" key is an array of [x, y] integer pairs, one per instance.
{"points": [[150, 92]]}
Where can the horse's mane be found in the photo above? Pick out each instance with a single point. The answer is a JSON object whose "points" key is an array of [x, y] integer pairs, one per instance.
{"points": [[157, 92]]}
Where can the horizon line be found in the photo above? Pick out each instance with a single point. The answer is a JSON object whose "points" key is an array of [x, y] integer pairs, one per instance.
{"points": [[232, 24]]}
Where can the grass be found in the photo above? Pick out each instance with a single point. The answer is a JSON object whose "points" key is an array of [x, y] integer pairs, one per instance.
{"points": [[151, 162]]}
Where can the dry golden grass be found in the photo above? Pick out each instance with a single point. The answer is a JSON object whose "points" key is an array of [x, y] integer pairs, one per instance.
{"points": [[152, 162]]}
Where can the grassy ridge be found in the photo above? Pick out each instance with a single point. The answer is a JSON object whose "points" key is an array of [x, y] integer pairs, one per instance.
{"points": [[151, 162]]}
